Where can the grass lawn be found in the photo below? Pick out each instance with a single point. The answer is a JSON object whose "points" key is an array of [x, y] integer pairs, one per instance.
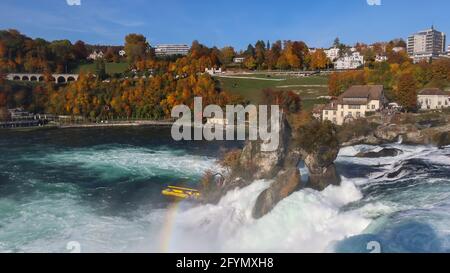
{"points": [[309, 88], [111, 68]]}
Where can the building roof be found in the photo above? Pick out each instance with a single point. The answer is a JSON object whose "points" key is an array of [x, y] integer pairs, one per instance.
{"points": [[361, 94], [372, 92], [357, 95], [432, 92]]}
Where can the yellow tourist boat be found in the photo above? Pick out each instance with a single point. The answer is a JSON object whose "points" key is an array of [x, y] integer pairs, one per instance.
{"points": [[181, 193]]}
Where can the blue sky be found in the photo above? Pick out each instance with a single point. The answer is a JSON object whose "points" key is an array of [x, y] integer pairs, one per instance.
{"points": [[221, 23]]}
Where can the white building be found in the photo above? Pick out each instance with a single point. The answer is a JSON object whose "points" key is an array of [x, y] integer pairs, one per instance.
{"points": [[433, 98], [213, 71], [350, 61], [426, 44], [380, 58], [355, 103], [19, 113], [239, 60], [95, 55], [332, 53], [398, 49], [171, 49]]}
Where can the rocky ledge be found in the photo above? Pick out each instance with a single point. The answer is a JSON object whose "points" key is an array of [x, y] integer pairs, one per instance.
{"points": [[282, 167], [407, 134]]}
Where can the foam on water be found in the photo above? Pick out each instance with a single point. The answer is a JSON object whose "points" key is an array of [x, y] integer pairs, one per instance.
{"points": [[124, 161], [307, 221]]}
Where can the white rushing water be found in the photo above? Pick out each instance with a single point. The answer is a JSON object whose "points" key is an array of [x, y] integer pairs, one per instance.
{"points": [[50, 217]]}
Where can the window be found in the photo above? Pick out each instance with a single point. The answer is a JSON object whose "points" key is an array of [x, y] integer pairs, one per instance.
{"points": [[334, 120], [446, 102], [357, 107], [342, 114], [334, 113], [373, 107], [358, 114], [350, 114], [326, 113], [439, 102]]}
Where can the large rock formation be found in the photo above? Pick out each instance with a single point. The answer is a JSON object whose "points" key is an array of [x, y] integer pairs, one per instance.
{"points": [[322, 171], [282, 166], [266, 165], [286, 182]]}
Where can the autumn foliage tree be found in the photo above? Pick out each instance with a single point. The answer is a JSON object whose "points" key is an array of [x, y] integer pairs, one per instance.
{"points": [[319, 60], [339, 82], [288, 101], [136, 47], [406, 92]]}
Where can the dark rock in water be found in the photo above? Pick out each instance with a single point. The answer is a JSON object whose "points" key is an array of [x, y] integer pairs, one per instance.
{"points": [[285, 184], [322, 171], [442, 139], [386, 152], [321, 181]]}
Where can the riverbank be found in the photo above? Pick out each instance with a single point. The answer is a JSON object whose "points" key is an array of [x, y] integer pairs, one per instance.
{"points": [[93, 125], [118, 124]]}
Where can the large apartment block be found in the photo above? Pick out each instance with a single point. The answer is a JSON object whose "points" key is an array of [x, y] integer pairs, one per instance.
{"points": [[171, 49], [426, 44]]}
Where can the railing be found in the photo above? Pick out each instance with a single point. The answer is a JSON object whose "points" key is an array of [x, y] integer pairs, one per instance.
{"points": [[79, 121]]}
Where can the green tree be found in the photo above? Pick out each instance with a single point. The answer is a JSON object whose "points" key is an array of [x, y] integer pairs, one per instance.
{"points": [[250, 52], [260, 53], [63, 52], [100, 69], [337, 42]]}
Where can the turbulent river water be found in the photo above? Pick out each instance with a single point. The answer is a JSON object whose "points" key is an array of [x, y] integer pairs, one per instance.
{"points": [[100, 189]]}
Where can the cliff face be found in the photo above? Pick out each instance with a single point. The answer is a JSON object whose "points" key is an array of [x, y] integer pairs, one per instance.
{"points": [[282, 166], [322, 171], [266, 165]]}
